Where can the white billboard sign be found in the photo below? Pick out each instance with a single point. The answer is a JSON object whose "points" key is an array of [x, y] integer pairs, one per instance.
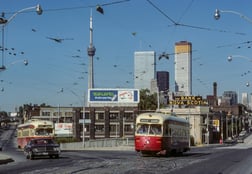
{"points": [[63, 129]]}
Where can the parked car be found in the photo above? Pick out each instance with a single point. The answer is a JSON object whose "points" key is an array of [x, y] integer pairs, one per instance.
{"points": [[41, 147], [230, 140], [242, 133], [240, 139]]}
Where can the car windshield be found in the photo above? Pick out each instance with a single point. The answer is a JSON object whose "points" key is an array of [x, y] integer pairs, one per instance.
{"points": [[42, 141]]}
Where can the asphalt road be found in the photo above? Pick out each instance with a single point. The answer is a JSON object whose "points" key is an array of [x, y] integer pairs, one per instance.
{"points": [[213, 159]]}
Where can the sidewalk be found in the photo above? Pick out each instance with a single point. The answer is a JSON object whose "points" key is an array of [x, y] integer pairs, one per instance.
{"points": [[4, 159], [4, 137]]}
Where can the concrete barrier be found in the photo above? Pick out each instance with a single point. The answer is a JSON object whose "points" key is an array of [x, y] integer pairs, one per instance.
{"points": [[99, 144]]}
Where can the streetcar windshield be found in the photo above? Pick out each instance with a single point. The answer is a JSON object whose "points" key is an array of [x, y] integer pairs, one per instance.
{"points": [[155, 129], [142, 129], [152, 129], [43, 131]]}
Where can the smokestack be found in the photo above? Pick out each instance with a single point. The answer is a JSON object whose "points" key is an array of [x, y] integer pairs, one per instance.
{"points": [[215, 93]]}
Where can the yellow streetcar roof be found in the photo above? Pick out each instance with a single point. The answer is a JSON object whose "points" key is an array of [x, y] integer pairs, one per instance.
{"points": [[159, 116]]}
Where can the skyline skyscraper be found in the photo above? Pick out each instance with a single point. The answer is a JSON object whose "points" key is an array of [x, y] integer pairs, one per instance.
{"points": [[245, 99], [163, 80], [144, 69], [183, 67], [231, 96]]}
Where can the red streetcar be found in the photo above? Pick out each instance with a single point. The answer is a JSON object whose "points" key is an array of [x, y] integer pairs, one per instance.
{"points": [[161, 134]]}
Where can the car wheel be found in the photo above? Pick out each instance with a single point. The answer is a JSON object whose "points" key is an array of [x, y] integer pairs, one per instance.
{"points": [[31, 157], [27, 156], [56, 156]]}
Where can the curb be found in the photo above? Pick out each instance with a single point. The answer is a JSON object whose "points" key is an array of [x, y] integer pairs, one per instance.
{"points": [[5, 159]]}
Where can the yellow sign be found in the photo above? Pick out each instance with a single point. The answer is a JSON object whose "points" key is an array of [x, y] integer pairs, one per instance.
{"points": [[216, 123], [188, 100]]}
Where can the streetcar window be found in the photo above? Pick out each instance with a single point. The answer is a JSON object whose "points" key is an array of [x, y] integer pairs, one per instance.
{"points": [[166, 130], [142, 129], [155, 129], [43, 131], [170, 131]]}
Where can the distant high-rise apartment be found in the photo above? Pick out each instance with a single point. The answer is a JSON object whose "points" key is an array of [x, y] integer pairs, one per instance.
{"points": [[245, 99], [163, 80], [183, 67], [144, 69], [232, 95], [250, 101]]}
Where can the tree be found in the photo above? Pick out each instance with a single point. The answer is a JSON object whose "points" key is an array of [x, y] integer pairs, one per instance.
{"points": [[148, 101]]}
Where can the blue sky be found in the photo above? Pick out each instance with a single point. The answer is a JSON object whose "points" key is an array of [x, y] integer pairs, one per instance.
{"points": [[125, 27]]}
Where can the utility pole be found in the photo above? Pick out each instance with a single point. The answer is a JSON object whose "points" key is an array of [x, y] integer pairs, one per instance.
{"points": [[221, 126], [207, 132], [226, 126], [232, 124], [83, 123]]}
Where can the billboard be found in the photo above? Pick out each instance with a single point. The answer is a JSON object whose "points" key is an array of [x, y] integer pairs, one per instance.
{"points": [[113, 95], [63, 129]]}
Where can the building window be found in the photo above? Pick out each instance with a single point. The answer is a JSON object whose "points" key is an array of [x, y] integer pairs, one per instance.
{"points": [[99, 128], [113, 128], [87, 115], [113, 116], [45, 113], [57, 114], [128, 128], [87, 128], [68, 114], [99, 116], [129, 116]]}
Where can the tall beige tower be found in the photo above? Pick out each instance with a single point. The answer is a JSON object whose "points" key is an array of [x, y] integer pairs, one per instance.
{"points": [[183, 67]]}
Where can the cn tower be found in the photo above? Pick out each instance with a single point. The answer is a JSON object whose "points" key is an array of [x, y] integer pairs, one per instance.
{"points": [[91, 52]]}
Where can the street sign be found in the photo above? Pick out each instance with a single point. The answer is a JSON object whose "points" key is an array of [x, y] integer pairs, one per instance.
{"points": [[87, 121], [216, 123]]}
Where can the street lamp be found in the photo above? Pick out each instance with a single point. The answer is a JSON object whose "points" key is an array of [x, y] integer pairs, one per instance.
{"points": [[37, 7], [4, 23], [230, 58], [163, 55], [25, 62], [217, 14], [99, 9]]}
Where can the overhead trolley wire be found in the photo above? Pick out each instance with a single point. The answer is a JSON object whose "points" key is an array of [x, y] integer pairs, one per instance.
{"points": [[186, 25]]}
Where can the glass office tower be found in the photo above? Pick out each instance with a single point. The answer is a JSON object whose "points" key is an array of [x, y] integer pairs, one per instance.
{"points": [[144, 69]]}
